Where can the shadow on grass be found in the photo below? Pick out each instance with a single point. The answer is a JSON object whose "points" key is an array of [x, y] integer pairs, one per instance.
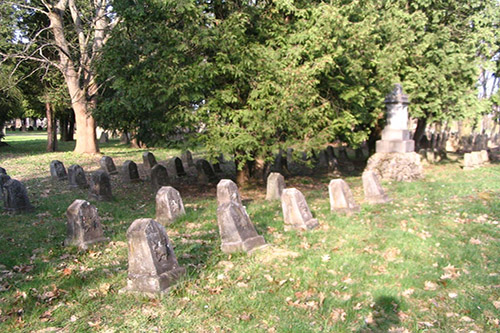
{"points": [[384, 315]]}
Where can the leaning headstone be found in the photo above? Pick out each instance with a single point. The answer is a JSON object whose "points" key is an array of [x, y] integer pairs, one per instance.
{"points": [[169, 205], [227, 191], [341, 198], [236, 230], [204, 168], [149, 161], [57, 170], [296, 212], [108, 165], [159, 177], [152, 265], [374, 193], [130, 172], [15, 196], [83, 226], [100, 186], [275, 186], [187, 158], [76, 177]]}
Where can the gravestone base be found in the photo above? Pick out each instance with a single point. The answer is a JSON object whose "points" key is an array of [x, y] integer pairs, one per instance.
{"points": [[396, 166], [249, 245], [147, 284], [83, 245], [378, 199]]}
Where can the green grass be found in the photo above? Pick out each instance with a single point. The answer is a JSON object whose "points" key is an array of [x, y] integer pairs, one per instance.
{"points": [[426, 261]]}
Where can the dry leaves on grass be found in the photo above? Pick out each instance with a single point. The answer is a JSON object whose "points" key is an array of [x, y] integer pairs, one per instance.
{"points": [[450, 272], [429, 285]]}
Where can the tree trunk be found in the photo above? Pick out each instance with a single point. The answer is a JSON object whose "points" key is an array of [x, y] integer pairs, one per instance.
{"points": [[63, 127], [419, 132], [51, 128], [243, 175], [71, 127]]}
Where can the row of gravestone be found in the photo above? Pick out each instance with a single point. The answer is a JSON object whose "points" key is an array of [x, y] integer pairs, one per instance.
{"points": [[475, 159], [153, 266]]}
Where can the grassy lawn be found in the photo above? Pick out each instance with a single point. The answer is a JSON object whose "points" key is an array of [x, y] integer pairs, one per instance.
{"points": [[427, 261]]}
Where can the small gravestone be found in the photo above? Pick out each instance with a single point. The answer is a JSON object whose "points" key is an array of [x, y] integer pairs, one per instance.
{"points": [[100, 186], [104, 137], [236, 230], [341, 198], [149, 161], [83, 226], [469, 163], [152, 265], [227, 191], [130, 172], [76, 177], [15, 196], [296, 212], [275, 186], [108, 165], [205, 170], [169, 205], [485, 159], [477, 158], [3, 179], [3, 171], [57, 170], [374, 193], [159, 177], [175, 166], [187, 158]]}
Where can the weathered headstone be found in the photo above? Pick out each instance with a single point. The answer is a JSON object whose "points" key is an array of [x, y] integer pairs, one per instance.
{"points": [[296, 212], [469, 162], [152, 265], [374, 193], [83, 226], [341, 198], [175, 166], [236, 230], [159, 177], [485, 159], [108, 165], [227, 191], [3, 179], [100, 186], [477, 158], [275, 186], [76, 177], [104, 137], [205, 170], [149, 161], [187, 158], [130, 172], [15, 196], [169, 205], [57, 170]]}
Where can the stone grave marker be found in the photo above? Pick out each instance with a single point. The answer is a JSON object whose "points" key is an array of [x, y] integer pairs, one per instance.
{"points": [[100, 186], [477, 158], [3, 171], [130, 172], [149, 161], [275, 186], [83, 226], [205, 171], [296, 212], [227, 191], [169, 205], [108, 165], [374, 193], [187, 158], [104, 138], [175, 166], [3, 179], [159, 177], [469, 163], [152, 265], [236, 230], [341, 198], [76, 177], [15, 196], [57, 170], [485, 159]]}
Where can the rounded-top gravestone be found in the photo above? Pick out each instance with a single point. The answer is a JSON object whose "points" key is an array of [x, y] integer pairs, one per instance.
{"points": [[57, 170], [108, 165]]}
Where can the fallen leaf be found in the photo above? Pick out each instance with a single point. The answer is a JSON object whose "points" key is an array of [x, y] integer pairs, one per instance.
{"points": [[429, 285], [466, 319], [338, 315], [475, 241]]}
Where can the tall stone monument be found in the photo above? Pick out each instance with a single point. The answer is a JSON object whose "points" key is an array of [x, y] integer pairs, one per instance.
{"points": [[83, 226], [395, 156], [152, 265]]}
